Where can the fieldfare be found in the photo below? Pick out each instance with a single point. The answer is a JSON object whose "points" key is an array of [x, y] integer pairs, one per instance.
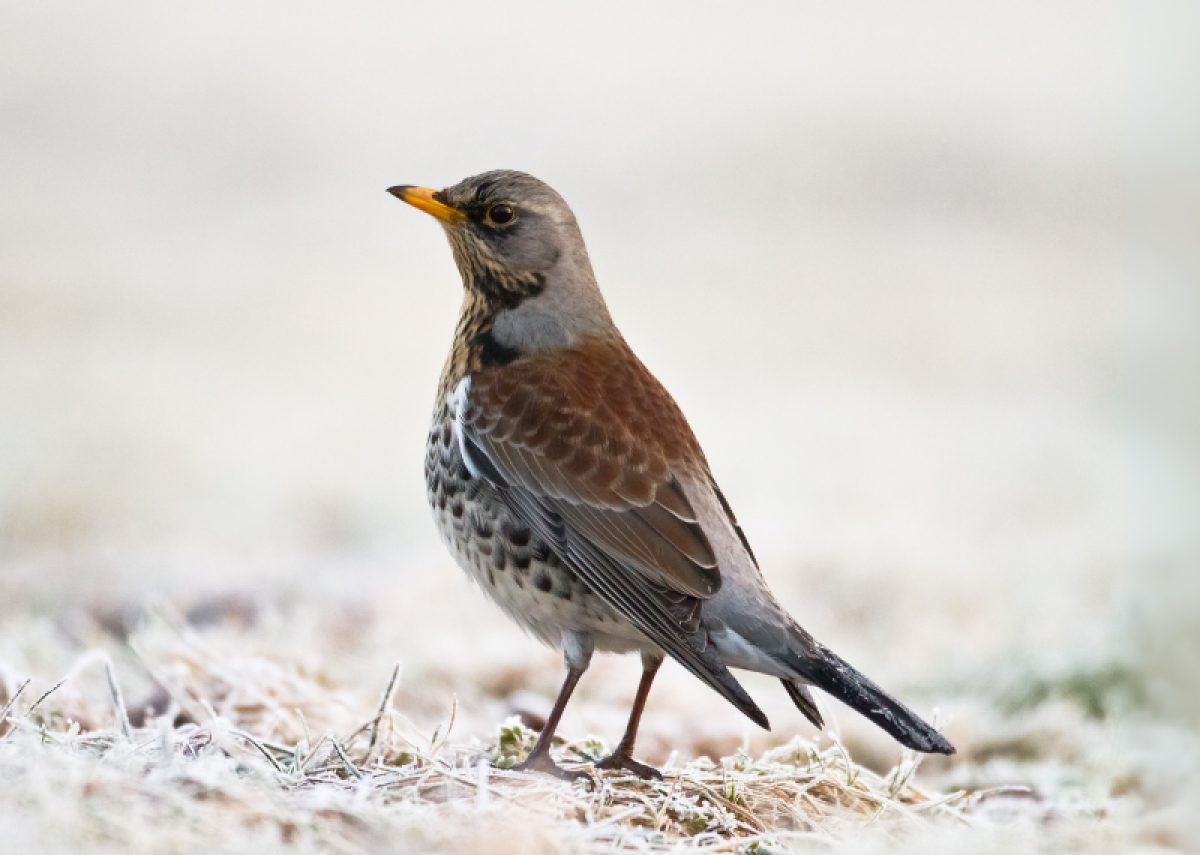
{"points": [[567, 483]]}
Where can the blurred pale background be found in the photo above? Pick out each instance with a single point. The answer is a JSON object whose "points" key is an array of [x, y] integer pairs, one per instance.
{"points": [[918, 273]]}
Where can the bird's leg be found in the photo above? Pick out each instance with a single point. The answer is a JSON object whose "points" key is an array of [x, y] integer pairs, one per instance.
{"points": [[622, 758], [539, 758], [577, 650]]}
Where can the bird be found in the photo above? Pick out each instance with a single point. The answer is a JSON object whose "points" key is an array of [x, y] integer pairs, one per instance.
{"points": [[566, 482]]}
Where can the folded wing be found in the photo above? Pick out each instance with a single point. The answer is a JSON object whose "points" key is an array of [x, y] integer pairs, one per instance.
{"points": [[589, 450]]}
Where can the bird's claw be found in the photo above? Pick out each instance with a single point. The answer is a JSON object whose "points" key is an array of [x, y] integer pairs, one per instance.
{"points": [[620, 761], [542, 763]]}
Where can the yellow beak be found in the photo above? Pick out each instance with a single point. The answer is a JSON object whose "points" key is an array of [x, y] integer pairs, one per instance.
{"points": [[422, 199]]}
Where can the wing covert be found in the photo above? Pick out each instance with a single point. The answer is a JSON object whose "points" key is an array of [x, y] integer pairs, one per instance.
{"points": [[564, 437]]}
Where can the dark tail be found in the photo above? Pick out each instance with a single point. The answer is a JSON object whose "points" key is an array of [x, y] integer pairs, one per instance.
{"points": [[833, 675]]}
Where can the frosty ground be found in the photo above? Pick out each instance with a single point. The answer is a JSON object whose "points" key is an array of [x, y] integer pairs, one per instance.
{"points": [[908, 272], [230, 723]]}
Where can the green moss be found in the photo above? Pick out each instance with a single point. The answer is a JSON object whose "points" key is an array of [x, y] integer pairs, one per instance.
{"points": [[513, 744], [593, 749]]}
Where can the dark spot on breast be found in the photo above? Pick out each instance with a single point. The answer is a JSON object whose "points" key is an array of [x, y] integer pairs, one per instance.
{"points": [[482, 528], [447, 435], [517, 535], [540, 552], [542, 582], [456, 510], [521, 559]]}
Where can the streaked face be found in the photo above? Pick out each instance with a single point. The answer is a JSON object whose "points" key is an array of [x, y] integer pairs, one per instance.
{"points": [[507, 229]]}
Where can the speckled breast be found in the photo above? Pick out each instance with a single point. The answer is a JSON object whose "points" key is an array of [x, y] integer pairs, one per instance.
{"points": [[509, 562]]}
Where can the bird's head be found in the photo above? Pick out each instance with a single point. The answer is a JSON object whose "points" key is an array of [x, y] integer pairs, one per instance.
{"points": [[520, 252]]}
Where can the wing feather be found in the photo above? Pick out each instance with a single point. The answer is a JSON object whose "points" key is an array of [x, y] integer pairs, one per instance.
{"points": [[611, 467], [670, 620], [588, 450]]}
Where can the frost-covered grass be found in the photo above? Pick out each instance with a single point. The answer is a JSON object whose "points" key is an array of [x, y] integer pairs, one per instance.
{"points": [[165, 737], [218, 348]]}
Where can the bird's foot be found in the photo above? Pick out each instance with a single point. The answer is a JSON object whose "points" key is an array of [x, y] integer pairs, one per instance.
{"points": [[542, 763], [621, 761]]}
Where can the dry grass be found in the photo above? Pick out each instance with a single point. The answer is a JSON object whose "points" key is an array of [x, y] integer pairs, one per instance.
{"points": [[249, 753]]}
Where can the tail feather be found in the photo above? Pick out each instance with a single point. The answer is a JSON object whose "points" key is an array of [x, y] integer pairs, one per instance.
{"points": [[833, 675], [719, 677], [803, 699]]}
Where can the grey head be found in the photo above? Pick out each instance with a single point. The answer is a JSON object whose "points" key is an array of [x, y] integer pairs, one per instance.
{"points": [[522, 258]]}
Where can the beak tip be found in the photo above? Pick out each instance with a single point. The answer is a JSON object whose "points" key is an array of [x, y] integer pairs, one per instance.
{"points": [[425, 199]]}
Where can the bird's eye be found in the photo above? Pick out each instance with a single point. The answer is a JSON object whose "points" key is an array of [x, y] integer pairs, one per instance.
{"points": [[501, 214]]}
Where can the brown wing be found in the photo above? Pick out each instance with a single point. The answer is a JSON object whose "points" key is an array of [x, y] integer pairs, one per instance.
{"points": [[594, 433], [587, 448]]}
